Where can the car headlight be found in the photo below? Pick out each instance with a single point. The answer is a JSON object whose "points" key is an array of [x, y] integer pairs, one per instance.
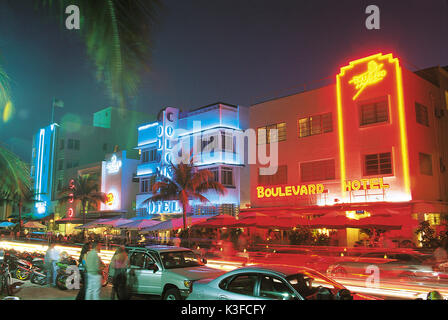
{"points": [[187, 283]]}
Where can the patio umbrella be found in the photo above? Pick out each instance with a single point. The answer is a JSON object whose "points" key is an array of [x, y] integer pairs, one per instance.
{"points": [[6, 224], [387, 223], [176, 223], [218, 221], [252, 214], [139, 224], [338, 222], [114, 223], [93, 224], [34, 225]]}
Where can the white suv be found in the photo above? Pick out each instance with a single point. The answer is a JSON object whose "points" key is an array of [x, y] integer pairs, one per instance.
{"points": [[165, 271]]}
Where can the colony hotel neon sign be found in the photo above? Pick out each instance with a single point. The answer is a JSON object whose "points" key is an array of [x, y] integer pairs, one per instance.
{"points": [[312, 189]]}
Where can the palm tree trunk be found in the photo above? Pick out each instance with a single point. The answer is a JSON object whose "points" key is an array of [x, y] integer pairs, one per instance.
{"points": [[20, 217], [83, 212]]}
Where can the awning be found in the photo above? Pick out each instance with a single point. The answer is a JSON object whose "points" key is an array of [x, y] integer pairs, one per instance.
{"points": [[177, 223], [93, 224], [6, 224], [114, 223], [34, 225], [139, 224]]}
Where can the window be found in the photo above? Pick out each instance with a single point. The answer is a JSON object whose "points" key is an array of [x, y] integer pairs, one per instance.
{"points": [[264, 133], [70, 144], [274, 288], [146, 184], [77, 144], [227, 176], [317, 170], [227, 142], [137, 260], [376, 164], [210, 142], [314, 125], [280, 177], [377, 112], [425, 161], [215, 173], [61, 165], [433, 219], [69, 164], [61, 144], [421, 114], [243, 284], [149, 155]]}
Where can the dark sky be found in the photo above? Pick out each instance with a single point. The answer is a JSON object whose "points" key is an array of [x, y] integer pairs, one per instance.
{"points": [[236, 51]]}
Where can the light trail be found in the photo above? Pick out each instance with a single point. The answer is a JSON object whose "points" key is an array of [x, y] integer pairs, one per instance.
{"points": [[385, 289]]}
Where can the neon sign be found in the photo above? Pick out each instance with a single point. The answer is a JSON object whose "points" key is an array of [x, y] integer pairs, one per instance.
{"points": [[114, 165], [365, 184], [109, 199], [157, 207], [289, 191], [374, 74]]}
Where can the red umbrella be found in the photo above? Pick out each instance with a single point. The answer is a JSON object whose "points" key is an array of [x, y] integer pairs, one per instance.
{"points": [[339, 222], [139, 224], [381, 222], [218, 221]]}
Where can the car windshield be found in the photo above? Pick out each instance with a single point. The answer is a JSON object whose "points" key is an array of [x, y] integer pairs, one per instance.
{"points": [[309, 283], [180, 259]]}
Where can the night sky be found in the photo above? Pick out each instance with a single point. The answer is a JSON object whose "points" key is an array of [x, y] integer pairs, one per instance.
{"points": [[236, 51]]}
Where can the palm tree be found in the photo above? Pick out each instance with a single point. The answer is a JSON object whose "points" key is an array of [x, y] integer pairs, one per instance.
{"points": [[117, 35], [187, 183], [15, 179], [85, 189]]}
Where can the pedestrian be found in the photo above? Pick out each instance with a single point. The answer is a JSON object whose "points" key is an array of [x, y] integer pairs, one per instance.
{"points": [[176, 240], [117, 270], [82, 270], [51, 258], [93, 273], [440, 254]]}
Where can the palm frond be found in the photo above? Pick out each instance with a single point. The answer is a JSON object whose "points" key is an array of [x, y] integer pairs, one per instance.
{"points": [[117, 34]]}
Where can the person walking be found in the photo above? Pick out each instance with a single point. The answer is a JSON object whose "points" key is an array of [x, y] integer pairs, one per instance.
{"points": [[82, 270], [93, 273], [51, 258], [176, 240], [117, 270]]}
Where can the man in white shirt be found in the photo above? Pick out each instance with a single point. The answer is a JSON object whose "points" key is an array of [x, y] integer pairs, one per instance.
{"points": [[51, 258]]}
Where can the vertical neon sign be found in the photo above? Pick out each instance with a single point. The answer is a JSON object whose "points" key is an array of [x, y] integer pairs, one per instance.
{"points": [[370, 71]]}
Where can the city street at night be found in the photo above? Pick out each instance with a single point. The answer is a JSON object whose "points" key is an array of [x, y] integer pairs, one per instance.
{"points": [[240, 157]]}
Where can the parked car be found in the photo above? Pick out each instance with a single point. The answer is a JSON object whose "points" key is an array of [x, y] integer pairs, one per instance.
{"points": [[272, 282], [400, 265], [165, 271]]}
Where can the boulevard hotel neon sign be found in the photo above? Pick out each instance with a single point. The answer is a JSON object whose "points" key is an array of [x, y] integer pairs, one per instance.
{"points": [[314, 189]]}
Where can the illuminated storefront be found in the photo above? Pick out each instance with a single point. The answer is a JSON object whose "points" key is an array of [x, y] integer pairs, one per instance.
{"points": [[370, 139]]}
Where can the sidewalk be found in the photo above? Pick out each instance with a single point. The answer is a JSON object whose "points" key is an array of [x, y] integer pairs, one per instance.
{"points": [[30, 291]]}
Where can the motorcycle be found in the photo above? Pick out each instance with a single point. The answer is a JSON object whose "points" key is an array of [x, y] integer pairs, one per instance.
{"points": [[39, 275], [7, 287], [61, 278]]}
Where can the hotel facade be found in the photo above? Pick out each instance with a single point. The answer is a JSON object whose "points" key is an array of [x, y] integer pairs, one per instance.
{"points": [[210, 134], [374, 142]]}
